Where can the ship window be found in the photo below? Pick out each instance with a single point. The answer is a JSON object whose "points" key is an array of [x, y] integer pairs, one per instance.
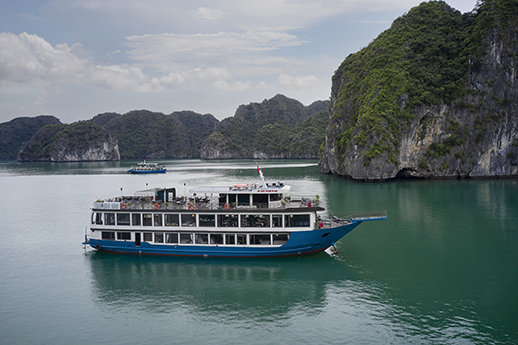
{"points": [[135, 219], [255, 220], [230, 239], [275, 197], [260, 239], [260, 200], [280, 238], [202, 238], [216, 238], [171, 237], [243, 200], [207, 220], [277, 221], [146, 219], [185, 238], [124, 235], [296, 220], [222, 199], [171, 220], [188, 220], [159, 237], [241, 239], [107, 235], [98, 218], [230, 220], [158, 219], [109, 218], [232, 199], [123, 219], [148, 237]]}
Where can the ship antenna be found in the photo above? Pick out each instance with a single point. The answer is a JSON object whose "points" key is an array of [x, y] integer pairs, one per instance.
{"points": [[262, 176]]}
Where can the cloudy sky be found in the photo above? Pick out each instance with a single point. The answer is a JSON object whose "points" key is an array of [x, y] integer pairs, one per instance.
{"points": [[77, 58]]}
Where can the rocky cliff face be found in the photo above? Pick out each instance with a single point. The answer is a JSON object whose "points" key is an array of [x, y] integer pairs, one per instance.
{"points": [[103, 149], [218, 146], [17, 131], [273, 129], [77, 142], [475, 134], [145, 134]]}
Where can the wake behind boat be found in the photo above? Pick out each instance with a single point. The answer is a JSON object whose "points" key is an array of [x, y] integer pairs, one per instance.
{"points": [[239, 220], [147, 168]]}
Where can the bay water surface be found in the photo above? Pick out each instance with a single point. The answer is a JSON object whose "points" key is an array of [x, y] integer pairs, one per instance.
{"points": [[442, 269]]}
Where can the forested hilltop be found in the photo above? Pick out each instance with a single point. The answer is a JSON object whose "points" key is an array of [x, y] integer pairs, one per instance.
{"points": [[434, 96], [17, 131], [145, 134], [277, 128], [77, 142]]}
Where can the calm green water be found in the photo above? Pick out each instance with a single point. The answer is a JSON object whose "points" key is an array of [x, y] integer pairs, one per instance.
{"points": [[443, 269]]}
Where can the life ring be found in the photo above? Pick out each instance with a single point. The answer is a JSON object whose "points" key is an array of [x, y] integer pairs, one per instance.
{"points": [[97, 246], [157, 206], [123, 206], [227, 206], [191, 207]]}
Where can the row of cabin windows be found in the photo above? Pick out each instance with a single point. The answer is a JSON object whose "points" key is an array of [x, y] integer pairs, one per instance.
{"points": [[202, 238], [258, 200], [204, 220]]}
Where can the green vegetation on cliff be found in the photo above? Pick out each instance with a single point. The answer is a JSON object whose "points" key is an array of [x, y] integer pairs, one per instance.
{"points": [[146, 134], [17, 131], [52, 141], [278, 128], [422, 59], [302, 141]]}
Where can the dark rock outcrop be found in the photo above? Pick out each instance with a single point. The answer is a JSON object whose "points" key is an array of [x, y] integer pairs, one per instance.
{"points": [[272, 129], [218, 146], [78, 142], [152, 135], [17, 131], [430, 123]]}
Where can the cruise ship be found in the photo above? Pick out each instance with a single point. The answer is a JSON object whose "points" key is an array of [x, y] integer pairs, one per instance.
{"points": [[237, 220]]}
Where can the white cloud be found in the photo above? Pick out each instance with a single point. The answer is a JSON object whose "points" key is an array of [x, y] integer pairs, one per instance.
{"points": [[208, 14], [230, 15], [195, 77], [41, 104], [298, 82], [170, 47], [28, 58], [120, 78], [240, 86]]}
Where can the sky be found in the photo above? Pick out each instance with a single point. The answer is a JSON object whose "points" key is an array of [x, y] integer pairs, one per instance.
{"points": [[75, 59]]}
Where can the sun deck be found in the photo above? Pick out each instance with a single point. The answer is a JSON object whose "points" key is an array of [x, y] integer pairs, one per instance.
{"points": [[237, 197]]}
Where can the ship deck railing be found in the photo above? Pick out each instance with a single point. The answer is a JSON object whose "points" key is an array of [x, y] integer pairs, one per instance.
{"points": [[353, 216], [144, 203], [367, 215]]}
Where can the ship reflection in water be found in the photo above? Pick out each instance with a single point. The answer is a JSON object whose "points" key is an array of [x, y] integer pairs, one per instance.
{"points": [[318, 296], [245, 288]]}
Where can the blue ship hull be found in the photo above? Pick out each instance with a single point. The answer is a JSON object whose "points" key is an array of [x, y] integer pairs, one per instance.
{"points": [[303, 242]]}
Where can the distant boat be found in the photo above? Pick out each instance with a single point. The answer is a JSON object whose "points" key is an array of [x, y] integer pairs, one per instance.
{"points": [[147, 168]]}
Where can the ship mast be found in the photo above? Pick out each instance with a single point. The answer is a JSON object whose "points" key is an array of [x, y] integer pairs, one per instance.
{"points": [[262, 176]]}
